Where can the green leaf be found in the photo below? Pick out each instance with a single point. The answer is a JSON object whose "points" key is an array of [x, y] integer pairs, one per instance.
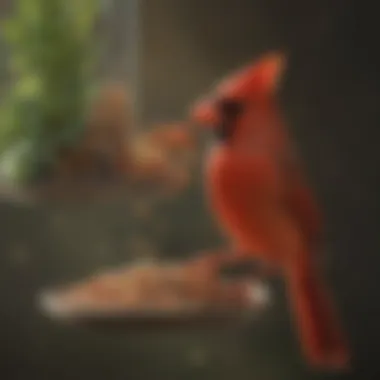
{"points": [[11, 31], [53, 59]]}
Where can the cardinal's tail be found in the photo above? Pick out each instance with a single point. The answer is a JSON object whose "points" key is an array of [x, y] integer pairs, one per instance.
{"points": [[320, 330]]}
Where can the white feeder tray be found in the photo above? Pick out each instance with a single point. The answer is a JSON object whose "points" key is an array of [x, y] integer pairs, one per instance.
{"points": [[156, 295]]}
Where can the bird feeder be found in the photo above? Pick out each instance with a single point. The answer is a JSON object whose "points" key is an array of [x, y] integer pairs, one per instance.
{"points": [[156, 295]]}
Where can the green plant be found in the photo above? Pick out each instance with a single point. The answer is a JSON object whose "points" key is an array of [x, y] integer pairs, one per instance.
{"points": [[52, 61]]}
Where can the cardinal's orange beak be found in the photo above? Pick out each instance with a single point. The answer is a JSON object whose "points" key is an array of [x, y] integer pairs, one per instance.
{"points": [[205, 113]]}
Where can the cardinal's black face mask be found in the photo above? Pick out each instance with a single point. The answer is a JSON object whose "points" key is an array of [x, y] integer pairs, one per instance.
{"points": [[229, 111]]}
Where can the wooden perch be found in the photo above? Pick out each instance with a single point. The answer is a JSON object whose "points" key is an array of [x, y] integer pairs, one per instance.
{"points": [[155, 295]]}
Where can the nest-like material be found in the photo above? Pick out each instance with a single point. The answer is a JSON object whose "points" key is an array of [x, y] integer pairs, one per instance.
{"points": [[113, 159]]}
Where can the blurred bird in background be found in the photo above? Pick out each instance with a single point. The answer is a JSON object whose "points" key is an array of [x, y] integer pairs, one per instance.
{"points": [[113, 148]]}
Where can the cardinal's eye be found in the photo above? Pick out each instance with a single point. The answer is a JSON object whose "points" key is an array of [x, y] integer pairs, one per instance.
{"points": [[229, 110]]}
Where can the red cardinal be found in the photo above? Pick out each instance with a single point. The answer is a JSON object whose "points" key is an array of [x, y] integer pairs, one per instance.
{"points": [[261, 200]]}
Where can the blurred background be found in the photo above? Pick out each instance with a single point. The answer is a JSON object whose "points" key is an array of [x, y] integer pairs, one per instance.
{"points": [[170, 51]]}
